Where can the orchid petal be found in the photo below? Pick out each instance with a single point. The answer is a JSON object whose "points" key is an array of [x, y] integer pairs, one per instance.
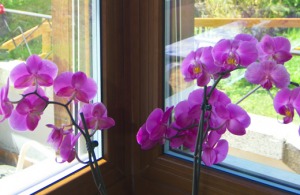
{"points": [[48, 68], [213, 138], [62, 81], [209, 156], [24, 81], [280, 76], [247, 53], [221, 150], [153, 120], [254, 74], [65, 92], [82, 96], [281, 98], [17, 121], [204, 79], [32, 121], [105, 123], [142, 138], [33, 64], [236, 127], [99, 110], [44, 80], [18, 71], [24, 107], [282, 43], [267, 44], [67, 151], [78, 79], [240, 114]]}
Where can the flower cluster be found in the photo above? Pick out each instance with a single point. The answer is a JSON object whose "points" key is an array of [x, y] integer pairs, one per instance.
{"points": [[211, 111], [34, 76]]}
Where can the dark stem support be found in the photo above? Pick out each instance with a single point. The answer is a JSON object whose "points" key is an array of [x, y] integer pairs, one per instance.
{"points": [[198, 147], [92, 159]]}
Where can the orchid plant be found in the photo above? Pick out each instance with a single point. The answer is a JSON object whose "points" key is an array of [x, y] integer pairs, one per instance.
{"points": [[199, 122], [34, 76]]}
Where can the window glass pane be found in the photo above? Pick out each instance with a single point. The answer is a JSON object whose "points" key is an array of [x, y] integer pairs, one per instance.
{"points": [[268, 151], [68, 33]]}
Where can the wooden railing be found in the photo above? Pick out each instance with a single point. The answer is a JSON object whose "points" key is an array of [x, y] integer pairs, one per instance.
{"points": [[249, 22], [206, 23], [43, 30]]}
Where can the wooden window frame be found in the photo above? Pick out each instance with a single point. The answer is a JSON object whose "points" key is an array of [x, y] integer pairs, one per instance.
{"points": [[132, 86]]}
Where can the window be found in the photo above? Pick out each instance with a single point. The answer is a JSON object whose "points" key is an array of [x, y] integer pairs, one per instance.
{"points": [[68, 33], [268, 151]]}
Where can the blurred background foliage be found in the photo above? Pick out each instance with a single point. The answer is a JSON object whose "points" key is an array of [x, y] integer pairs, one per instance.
{"points": [[16, 22]]}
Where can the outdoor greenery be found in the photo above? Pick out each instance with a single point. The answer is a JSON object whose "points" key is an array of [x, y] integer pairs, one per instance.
{"points": [[17, 22], [248, 9]]}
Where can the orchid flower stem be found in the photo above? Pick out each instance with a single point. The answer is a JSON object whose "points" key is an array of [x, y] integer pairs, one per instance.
{"points": [[270, 94], [294, 83], [93, 160], [248, 94], [198, 148]]}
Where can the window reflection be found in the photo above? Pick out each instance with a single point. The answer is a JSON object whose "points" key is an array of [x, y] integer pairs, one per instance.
{"points": [[269, 149]]}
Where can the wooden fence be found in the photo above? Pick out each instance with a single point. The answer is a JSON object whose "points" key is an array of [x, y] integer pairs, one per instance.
{"points": [[43, 30], [207, 23]]}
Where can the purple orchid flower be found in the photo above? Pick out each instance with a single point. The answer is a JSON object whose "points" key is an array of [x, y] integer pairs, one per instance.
{"points": [[285, 102], [233, 117], [217, 99], [6, 107], [157, 121], [28, 111], [67, 150], [274, 48], [96, 117], [228, 54], [75, 86], [56, 136], [214, 149], [267, 73], [179, 137], [186, 115], [35, 71], [144, 140], [153, 131], [199, 65]]}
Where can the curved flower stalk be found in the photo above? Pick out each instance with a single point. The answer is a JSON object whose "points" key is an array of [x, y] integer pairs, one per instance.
{"points": [[75, 87], [199, 122]]}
